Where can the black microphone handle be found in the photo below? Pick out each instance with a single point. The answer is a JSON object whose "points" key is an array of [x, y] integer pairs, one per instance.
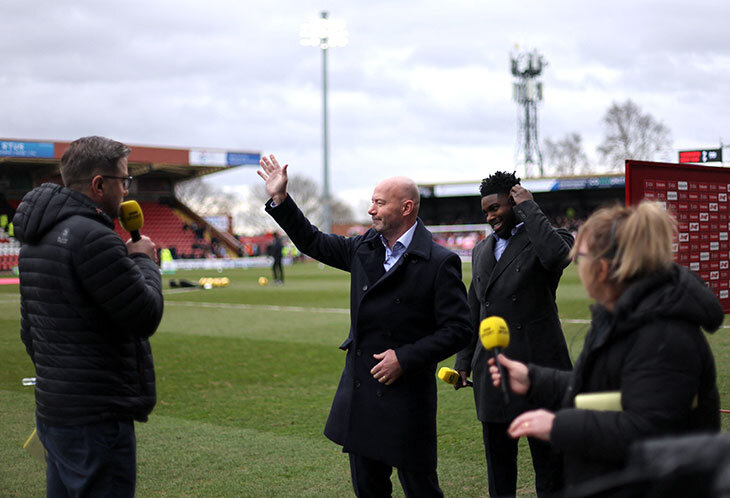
{"points": [[136, 237], [505, 380], [459, 385]]}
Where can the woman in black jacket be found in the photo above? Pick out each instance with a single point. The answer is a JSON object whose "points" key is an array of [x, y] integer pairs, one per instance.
{"points": [[646, 369]]}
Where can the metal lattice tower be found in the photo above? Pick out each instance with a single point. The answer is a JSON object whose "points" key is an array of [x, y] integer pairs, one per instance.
{"points": [[527, 92]]}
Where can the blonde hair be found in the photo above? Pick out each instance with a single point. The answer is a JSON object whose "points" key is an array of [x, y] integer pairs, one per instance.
{"points": [[636, 240]]}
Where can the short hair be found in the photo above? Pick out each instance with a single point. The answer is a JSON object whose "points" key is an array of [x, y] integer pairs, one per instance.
{"points": [[89, 156], [498, 183], [636, 240]]}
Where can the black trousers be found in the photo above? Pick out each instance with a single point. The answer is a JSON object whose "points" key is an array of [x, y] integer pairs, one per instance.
{"points": [[278, 270], [371, 479], [501, 452], [90, 460]]}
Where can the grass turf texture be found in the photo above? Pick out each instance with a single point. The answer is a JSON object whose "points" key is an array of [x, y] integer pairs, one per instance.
{"points": [[245, 377]]}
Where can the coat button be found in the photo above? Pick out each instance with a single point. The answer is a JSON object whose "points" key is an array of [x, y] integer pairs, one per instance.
{"points": [[514, 298], [388, 332], [357, 384], [364, 288], [519, 326], [397, 300], [358, 352], [379, 393], [517, 269], [486, 305]]}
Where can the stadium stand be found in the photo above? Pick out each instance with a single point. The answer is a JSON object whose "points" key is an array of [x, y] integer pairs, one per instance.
{"points": [[9, 249], [182, 231], [25, 164], [168, 229]]}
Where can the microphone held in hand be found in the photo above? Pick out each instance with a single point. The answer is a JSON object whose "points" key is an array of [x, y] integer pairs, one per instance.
{"points": [[494, 334], [131, 218], [451, 376]]}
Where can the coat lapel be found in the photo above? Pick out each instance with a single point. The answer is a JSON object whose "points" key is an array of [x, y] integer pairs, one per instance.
{"points": [[516, 244], [372, 260]]}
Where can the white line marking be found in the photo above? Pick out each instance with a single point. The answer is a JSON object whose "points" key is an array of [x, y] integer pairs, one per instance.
{"points": [[191, 304]]}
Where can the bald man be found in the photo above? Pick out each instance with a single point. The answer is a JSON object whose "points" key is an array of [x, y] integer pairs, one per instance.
{"points": [[408, 311]]}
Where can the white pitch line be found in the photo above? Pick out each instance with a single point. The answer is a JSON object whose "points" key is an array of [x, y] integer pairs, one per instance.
{"points": [[263, 307], [191, 304]]}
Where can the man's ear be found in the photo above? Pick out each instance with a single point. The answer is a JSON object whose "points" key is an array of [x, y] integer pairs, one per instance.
{"points": [[407, 207], [604, 270], [96, 187]]}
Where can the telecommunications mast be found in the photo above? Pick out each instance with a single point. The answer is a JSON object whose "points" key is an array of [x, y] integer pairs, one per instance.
{"points": [[527, 92]]}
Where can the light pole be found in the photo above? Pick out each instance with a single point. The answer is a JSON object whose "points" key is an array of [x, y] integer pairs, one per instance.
{"points": [[324, 33]]}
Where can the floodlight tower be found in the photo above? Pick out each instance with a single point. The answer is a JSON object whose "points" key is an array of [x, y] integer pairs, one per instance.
{"points": [[324, 33], [527, 92]]}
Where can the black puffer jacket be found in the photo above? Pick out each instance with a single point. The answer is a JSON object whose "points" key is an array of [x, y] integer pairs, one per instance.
{"points": [[87, 309], [651, 349]]}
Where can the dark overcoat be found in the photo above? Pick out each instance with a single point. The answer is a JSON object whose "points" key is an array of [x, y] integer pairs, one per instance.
{"points": [[520, 288], [650, 348], [418, 308]]}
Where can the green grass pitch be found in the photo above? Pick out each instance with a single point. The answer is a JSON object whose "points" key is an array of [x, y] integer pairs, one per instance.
{"points": [[246, 375]]}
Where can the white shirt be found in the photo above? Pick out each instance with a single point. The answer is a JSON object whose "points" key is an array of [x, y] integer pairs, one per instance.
{"points": [[501, 244]]}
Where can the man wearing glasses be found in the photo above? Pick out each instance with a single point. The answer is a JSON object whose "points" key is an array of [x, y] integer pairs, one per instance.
{"points": [[88, 303]]}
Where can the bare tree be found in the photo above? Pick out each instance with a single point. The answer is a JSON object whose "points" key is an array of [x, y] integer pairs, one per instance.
{"points": [[307, 196], [204, 198], [631, 134], [566, 156]]}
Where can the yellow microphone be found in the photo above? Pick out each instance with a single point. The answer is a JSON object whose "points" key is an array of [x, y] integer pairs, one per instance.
{"points": [[131, 218], [451, 376], [494, 334]]}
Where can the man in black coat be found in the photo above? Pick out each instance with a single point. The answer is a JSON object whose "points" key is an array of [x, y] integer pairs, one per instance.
{"points": [[88, 304], [515, 274], [275, 251], [408, 311]]}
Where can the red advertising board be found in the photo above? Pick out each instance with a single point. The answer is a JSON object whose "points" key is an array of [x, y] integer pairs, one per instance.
{"points": [[698, 198]]}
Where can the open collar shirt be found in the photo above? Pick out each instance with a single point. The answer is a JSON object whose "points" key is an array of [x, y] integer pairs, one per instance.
{"points": [[501, 244], [393, 255]]}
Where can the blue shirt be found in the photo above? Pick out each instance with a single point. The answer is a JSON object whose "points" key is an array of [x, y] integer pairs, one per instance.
{"points": [[393, 255], [501, 244]]}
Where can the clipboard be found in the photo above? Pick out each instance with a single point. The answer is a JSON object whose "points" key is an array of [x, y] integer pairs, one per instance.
{"points": [[600, 401]]}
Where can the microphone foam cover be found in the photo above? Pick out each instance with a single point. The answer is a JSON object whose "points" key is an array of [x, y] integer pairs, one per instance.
{"points": [[448, 375], [494, 333], [130, 216]]}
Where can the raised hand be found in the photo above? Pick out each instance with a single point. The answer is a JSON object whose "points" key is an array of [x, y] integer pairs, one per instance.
{"points": [[275, 176]]}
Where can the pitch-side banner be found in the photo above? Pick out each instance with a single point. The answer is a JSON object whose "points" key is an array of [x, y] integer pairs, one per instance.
{"points": [[698, 198]]}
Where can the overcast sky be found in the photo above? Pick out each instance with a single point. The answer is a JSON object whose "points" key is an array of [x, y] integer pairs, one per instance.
{"points": [[423, 88]]}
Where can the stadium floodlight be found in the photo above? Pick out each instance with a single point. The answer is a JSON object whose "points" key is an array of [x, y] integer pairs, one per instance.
{"points": [[324, 33]]}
